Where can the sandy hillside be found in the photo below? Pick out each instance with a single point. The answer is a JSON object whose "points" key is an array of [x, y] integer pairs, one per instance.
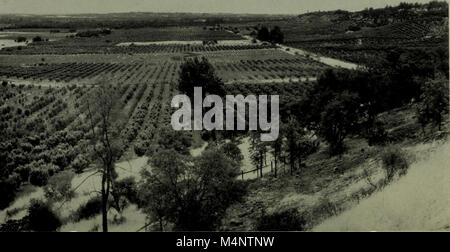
{"points": [[420, 201]]}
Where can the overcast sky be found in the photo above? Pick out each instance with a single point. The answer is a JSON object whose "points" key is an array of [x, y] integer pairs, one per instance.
{"points": [[203, 6]]}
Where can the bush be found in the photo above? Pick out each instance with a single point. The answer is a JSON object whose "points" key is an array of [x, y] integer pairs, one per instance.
{"points": [[42, 218], [59, 187], [79, 164], [394, 163], [21, 39], [433, 103], [354, 28], [24, 172], [377, 135], [289, 220], [15, 226], [140, 148], [127, 188], [37, 39], [8, 188], [39, 177], [125, 191], [89, 210]]}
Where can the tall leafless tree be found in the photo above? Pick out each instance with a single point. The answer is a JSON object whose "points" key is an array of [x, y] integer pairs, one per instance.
{"points": [[103, 114]]}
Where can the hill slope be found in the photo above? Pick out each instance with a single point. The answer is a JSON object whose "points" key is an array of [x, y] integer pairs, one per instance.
{"points": [[418, 202]]}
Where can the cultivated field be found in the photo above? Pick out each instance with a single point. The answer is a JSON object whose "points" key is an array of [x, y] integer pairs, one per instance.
{"points": [[323, 69]]}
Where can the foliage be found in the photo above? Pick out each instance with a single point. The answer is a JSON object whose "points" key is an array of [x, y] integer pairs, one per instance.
{"points": [[80, 163], [258, 151], [39, 176], [24, 172], [354, 28], [434, 102], [395, 163], [90, 209], [8, 188], [42, 218], [37, 39], [140, 148], [59, 187], [376, 134], [339, 119], [232, 151], [199, 73], [124, 191], [263, 34], [274, 35], [93, 33], [154, 200], [290, 220], [170, 139], [277, 151], [15, 226], [21, 39], [103, 107], [299, 142], [192, 195]]}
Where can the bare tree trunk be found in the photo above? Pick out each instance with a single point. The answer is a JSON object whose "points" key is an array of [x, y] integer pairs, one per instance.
{"points": [[292, 163], [261, 165], [104, 205], [276, 164]]}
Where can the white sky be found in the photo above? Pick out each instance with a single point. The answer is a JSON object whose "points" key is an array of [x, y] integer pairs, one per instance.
{"points": [[203, 6]]}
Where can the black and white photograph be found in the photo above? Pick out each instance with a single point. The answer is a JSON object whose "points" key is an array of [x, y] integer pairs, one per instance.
{"points": [[224, 116]]}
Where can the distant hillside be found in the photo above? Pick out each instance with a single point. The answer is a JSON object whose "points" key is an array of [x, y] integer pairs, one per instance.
{"points": [[367, 36], [129, 20], [379, 17]]}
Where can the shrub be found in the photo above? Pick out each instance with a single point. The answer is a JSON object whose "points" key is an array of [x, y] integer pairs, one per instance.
{"points": [[289, 220], [37, 39], [433, 102], [377, 135], [21, 39], [15, 226], [233, 152], [42, 218], [354, 28], [8, 188], [140, 148], [79, 164], [125, 191], [89, 210], [59, 187], [127, 188], [24, 172], [394, 163], [39, 177]]}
